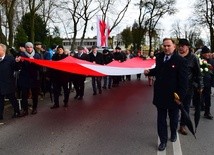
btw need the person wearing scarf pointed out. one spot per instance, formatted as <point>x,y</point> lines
<point>29,79</point>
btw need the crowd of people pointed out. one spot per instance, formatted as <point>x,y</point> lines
<point>33,81</point>
<point>178,70</point>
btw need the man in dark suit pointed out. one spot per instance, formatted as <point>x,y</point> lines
<point>96,58</point>
<point>7,81</point>
<point>170,76</point>
<point>79,80</point>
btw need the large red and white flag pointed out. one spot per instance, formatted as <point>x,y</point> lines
<point>115,68</point>
<point>103,32</point>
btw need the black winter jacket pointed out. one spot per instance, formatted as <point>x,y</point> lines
<point>194,73</point>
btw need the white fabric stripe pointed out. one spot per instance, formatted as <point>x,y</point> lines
<point>108,70</point>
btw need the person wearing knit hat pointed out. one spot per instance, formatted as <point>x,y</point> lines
<point>60,79</point>
<point>28,78</point>
<point>205,50</point>
<point>208,82</point>
<point>29,44</point>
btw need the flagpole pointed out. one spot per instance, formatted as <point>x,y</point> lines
<point>107,31</point>
<point>98,32</point>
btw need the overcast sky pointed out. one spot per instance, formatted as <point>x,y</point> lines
<point>185,9</point>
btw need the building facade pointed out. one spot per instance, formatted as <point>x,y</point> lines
<point>89,42</point>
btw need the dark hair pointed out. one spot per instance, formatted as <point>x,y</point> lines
<point>21,44</point>
<point>118,48</point>
<point>60,46</point>
<point>44,47</point>
<point>183,41</point>
<point>37,43</point>
<point>205,50</point>
<point>53,46</point>
<point>13,52</point>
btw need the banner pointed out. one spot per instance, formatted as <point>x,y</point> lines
<point>77,66</point>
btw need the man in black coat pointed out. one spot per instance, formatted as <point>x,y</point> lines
<point>7,81</point>
<point>79,80</point>
<point>96,58</point>
<point>194,76</point>
<point>29,78</point>
<point>208,81</point>
<point>170,76</point>
<point>59,79</point>
<point>107,58</point>
<point>118,56</point>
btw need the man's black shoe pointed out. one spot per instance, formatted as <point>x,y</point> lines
<point>76,97</point>
<point>173,138</point>
<point>24,113</point>
<point>16,115</point>
<point>80,98</point>
<point>208,116</point>
<point>55,106</point>
<point>65,105</point>
<point>34,111</point>
<point>100,91</point>
<point>162,146</point>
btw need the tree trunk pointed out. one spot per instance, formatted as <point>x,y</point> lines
<point>84,31</point>
<point>212,39</point>
<point>73,45</point>
<point>32,36</point>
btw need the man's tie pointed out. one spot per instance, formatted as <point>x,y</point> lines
<point>0,59</point>
<point>166,58</point>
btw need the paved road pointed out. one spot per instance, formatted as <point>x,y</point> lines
<point>121,121</point>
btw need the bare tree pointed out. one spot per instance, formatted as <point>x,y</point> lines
<point>76,13</point>
<point>8,6</point>
<point>154,11</point>
<point>176,29</point>
<point>49,9</point>
<point>108,8</point>
<point>3,38</point>
<point>88,13</point>
<point>188,30</point>
<point>204,11</point>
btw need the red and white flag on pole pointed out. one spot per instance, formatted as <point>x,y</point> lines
<point>103,32</point>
